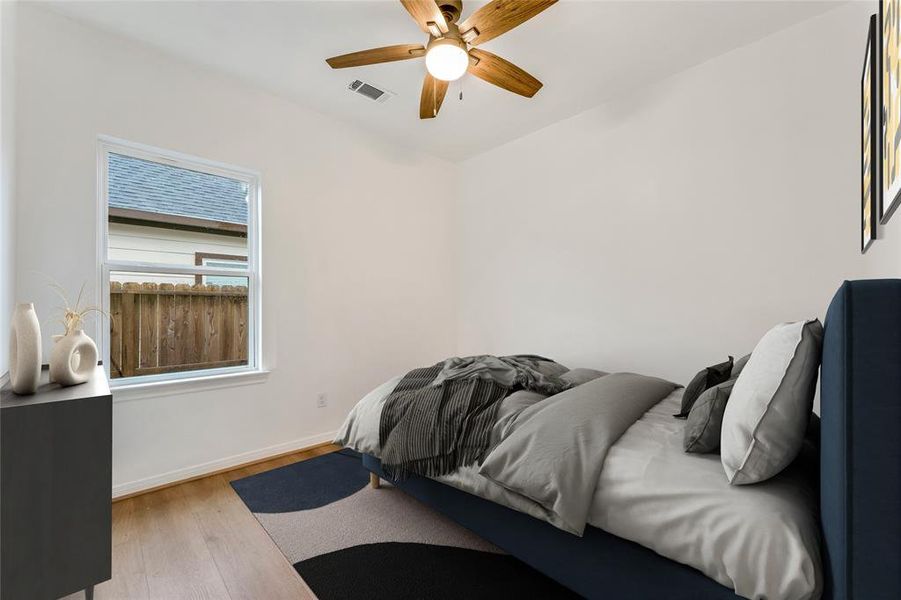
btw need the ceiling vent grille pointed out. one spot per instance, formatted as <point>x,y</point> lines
<point>369,91</point>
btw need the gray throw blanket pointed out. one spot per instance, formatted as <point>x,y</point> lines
<point>439,418</point>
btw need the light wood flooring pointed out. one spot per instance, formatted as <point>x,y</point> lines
<point>198,540</point>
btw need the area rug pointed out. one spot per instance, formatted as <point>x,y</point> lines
<point>348,540</point>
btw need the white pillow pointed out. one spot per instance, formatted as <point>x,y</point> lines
<point>769,409</point>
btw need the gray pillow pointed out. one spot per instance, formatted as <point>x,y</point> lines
<point>510,409</point>
<point>771,403</point>
<point>739,366</point>
<point>704,380</point>
<point>580,376</point>
<point>705,420</point>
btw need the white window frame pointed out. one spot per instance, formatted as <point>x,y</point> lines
<point>253,273</point>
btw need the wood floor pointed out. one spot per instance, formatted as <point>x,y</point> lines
<point>198,540</point>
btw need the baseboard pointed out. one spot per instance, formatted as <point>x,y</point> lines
<point>149,484</point>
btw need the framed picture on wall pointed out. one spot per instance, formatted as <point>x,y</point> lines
<point>890,83</point>
<point>869,139</point>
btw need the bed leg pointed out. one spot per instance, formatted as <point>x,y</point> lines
<point>374,481</point>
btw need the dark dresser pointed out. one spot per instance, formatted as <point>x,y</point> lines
<point>55,489</point>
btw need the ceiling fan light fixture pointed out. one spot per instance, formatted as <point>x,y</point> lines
<point>447,59</point>
<point>448,55</point>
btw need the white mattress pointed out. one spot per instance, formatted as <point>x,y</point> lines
<point>761,540</point>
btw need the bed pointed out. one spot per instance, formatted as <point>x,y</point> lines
<point>842,552</point>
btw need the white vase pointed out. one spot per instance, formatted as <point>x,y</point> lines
<point>73,358</point>
<point>25,350</point>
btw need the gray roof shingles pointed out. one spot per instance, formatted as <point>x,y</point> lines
<point>153,187</point>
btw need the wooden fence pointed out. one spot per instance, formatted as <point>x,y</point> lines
<point>163,328</point>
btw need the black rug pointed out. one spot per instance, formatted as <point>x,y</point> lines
<point>348,540</point>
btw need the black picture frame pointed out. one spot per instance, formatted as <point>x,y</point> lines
<point>870,138</point>
<point>889,44</point>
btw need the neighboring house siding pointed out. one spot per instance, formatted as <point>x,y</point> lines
<point>170,246</point>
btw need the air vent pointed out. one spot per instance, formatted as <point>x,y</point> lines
<point>369,90</point>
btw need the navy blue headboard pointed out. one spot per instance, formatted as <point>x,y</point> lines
<point>860,457</point>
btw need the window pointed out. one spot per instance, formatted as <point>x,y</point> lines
<point>225,261</point>
<point>180,265</point>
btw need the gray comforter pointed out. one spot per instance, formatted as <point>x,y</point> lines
<point>546,451</point>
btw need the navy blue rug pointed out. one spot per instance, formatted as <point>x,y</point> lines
<point>348,540</point>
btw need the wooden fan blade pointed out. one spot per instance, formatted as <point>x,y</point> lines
<point>502,73</point>
<point>500,16</point>
<point>433,91</point>
<point>376,55</point>
<point>425,12</point>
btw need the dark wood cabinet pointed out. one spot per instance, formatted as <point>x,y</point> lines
<point>55,489</point>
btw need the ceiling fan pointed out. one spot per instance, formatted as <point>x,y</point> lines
<point>448,55</point>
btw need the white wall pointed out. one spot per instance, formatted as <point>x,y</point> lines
<point>662,231</point>
<point>356,238</point>
<point>7,175</point>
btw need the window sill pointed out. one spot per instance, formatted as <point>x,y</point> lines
<point>201,383</point>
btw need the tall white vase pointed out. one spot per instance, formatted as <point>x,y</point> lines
<point>73,358</point>
<point>25,350</point>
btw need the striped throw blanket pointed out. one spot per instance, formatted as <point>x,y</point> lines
<point>439,418</point>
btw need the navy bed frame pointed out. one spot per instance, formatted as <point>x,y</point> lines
<point>860,480</point>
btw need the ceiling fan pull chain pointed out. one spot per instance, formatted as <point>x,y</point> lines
<point>461,88</point>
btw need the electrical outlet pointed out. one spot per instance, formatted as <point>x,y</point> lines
<point>322,400</point>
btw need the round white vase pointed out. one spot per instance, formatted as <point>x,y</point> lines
<point>73,358</point>
<point>25,350</point>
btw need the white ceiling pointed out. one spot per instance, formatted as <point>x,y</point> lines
<point>584,52</point>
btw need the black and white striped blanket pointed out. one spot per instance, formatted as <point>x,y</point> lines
<point>439,418</point>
